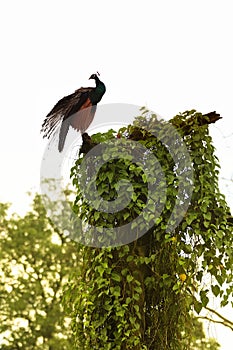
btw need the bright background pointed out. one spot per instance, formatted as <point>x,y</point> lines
<point>168,55</point>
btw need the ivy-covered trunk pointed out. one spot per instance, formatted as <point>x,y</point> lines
<point>139,295</point>
<point>125,301</point>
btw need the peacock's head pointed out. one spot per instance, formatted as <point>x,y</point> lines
<point>94,76</point>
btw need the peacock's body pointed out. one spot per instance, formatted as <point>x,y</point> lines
<point>76,110</point>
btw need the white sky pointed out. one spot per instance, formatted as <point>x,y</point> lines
<point>168,55</point>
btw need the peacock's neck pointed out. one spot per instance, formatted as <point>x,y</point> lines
<point>98,92</point>
<point>97,81</point>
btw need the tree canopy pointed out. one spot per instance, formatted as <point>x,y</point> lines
<point>35,263</point>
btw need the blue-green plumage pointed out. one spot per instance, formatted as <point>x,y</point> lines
<point>97,94</point>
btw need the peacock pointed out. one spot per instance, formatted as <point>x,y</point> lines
<point>76,110</point>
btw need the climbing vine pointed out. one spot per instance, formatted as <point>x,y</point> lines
<point>139,295</point>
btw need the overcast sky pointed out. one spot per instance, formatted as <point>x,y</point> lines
<point>168,55</point>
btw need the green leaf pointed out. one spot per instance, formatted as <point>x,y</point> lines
<point>120,313</point>
<point>130,258</point>
<point>144,178</point>
<point>207,216</point>
<point>215,290</point>
<point>96,215</point>
<point>138,289</point>
<point>220,234</point>
<point>115,276</point>
<point>197,306</point>
<point>204,298</point>
<point>132,319</point>
<point>128,300</point>
<point>126,215</point>
<point>129,278</point>
<point>177,287</point>
<point>191,216</point>
<point>116,291</point>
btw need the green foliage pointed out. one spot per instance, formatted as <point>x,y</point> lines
<point>206,222</point>
<point>139,296</point>
<point>35,263</point>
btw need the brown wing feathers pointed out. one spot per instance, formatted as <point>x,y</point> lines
<point>63,109</point>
